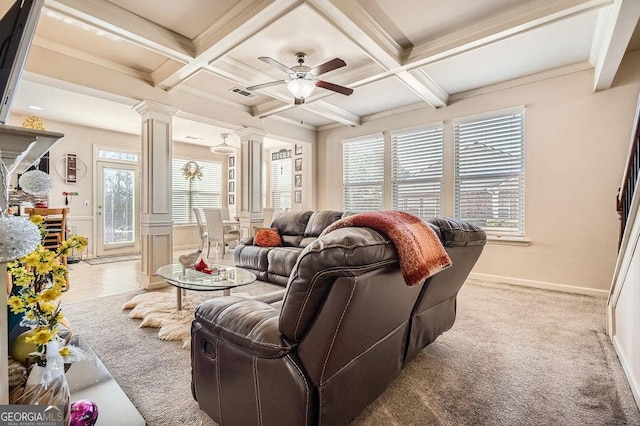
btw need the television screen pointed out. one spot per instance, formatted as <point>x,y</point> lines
<point>17,27</point>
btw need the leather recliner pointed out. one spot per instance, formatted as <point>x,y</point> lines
<point>347,325</point>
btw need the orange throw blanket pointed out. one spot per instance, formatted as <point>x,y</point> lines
<point>420,251</point>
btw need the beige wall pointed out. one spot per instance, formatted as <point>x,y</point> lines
<point>576,149</point>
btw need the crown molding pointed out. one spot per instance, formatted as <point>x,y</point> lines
<point>126,25</point>
<point>499,27</point>
<point>521,81</point>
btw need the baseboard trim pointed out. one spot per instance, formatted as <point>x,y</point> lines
<point>187,247</point>
<point>539,284</point>
<point>633,383</point>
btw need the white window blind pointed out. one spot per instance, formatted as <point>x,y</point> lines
<point>416,171</point>
<point>206,192</point>
<point>489,173</point>
<point>281,185</point>
<point>363,173</point>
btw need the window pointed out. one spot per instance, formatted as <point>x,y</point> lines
<point>281,185</point>
<point>363,173</point>
<point>416,170</point>
<point>206,192</point>
<point>489,173</point>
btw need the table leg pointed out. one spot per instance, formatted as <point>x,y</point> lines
<point>179,298</point>
<point>226,292</point>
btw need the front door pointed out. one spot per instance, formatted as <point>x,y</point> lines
<point>117,209</point>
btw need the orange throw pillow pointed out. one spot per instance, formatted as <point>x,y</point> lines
<point>267,237</point>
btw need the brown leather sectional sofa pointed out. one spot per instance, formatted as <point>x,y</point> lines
<point>297,230</point>
<point>347,325</point>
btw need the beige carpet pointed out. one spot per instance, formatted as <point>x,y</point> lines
<point>515,356</point>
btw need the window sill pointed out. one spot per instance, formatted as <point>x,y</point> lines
<point>185,225</point>
<point>508,241</point>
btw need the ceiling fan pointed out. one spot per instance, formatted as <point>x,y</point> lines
<point>302,79</point>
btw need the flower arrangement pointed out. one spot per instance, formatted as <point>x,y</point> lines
<point>42,278</point>
<point>191,170</point>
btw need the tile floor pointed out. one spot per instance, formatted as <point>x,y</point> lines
<point>93,281</point>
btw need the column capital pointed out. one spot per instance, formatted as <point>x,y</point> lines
<point>250,133</point>
<point>148,107</point>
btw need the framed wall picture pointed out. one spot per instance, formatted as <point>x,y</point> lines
<point>232,199</point>
<point>298,149</point>
<point>298,164</point>
<point>232,161</point>
<point>232,174</point>
<point>298,181</point>
<point>297,197</point>
<point>232,186</point>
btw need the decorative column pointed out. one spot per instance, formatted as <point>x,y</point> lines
<point>156,222</point>
<point>250,179</point>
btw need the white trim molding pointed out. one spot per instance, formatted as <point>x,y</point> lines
<point>539,284</point>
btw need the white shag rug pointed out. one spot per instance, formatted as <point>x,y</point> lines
<point>158,309</point>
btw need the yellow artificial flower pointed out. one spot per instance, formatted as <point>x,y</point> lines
<point>65,351</point>
<point>43,267</point>
<point>37,219</point>
<point>23,280</point>
<point>32,259</point>
<point>30,315</point>
<point>16,304</point>
<point>51,294</point>
<point>47,307</point>
<point>41,337</point>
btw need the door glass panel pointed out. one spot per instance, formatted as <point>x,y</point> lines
<point>118,205</point>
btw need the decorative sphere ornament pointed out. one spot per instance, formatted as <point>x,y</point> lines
<point>18,237</point>
<point>83,413</point>
<point>36,182</point>
<point>21,349</point>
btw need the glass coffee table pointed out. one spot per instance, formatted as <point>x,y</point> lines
<point>189,279</point>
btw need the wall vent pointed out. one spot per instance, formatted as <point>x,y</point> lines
<point>244,92</point>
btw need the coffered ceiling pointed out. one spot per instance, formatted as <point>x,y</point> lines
<point>400,54</point>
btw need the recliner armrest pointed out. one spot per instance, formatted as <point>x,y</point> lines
<point>249,324</point>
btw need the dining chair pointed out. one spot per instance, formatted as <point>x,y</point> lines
<point>215,229</point>
<point>55,224</point>
<point>202,228</point>
<point>229,229</point>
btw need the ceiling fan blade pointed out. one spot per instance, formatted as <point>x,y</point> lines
<point>275,63</point>
<point>263,85</point>
<point>328,66</point>
<point>299,101</point>
<point>335,87</point>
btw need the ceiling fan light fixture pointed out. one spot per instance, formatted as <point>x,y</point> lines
<point>301,87</point>
<point>224,147</point>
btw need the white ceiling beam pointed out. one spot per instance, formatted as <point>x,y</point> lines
<point>350,18</point>
<point>126,25</point>
<point>621,21</point>
<point>420,83</point>
<point>238,24</point>
<point>514,21</point>
<point>88,57</point>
